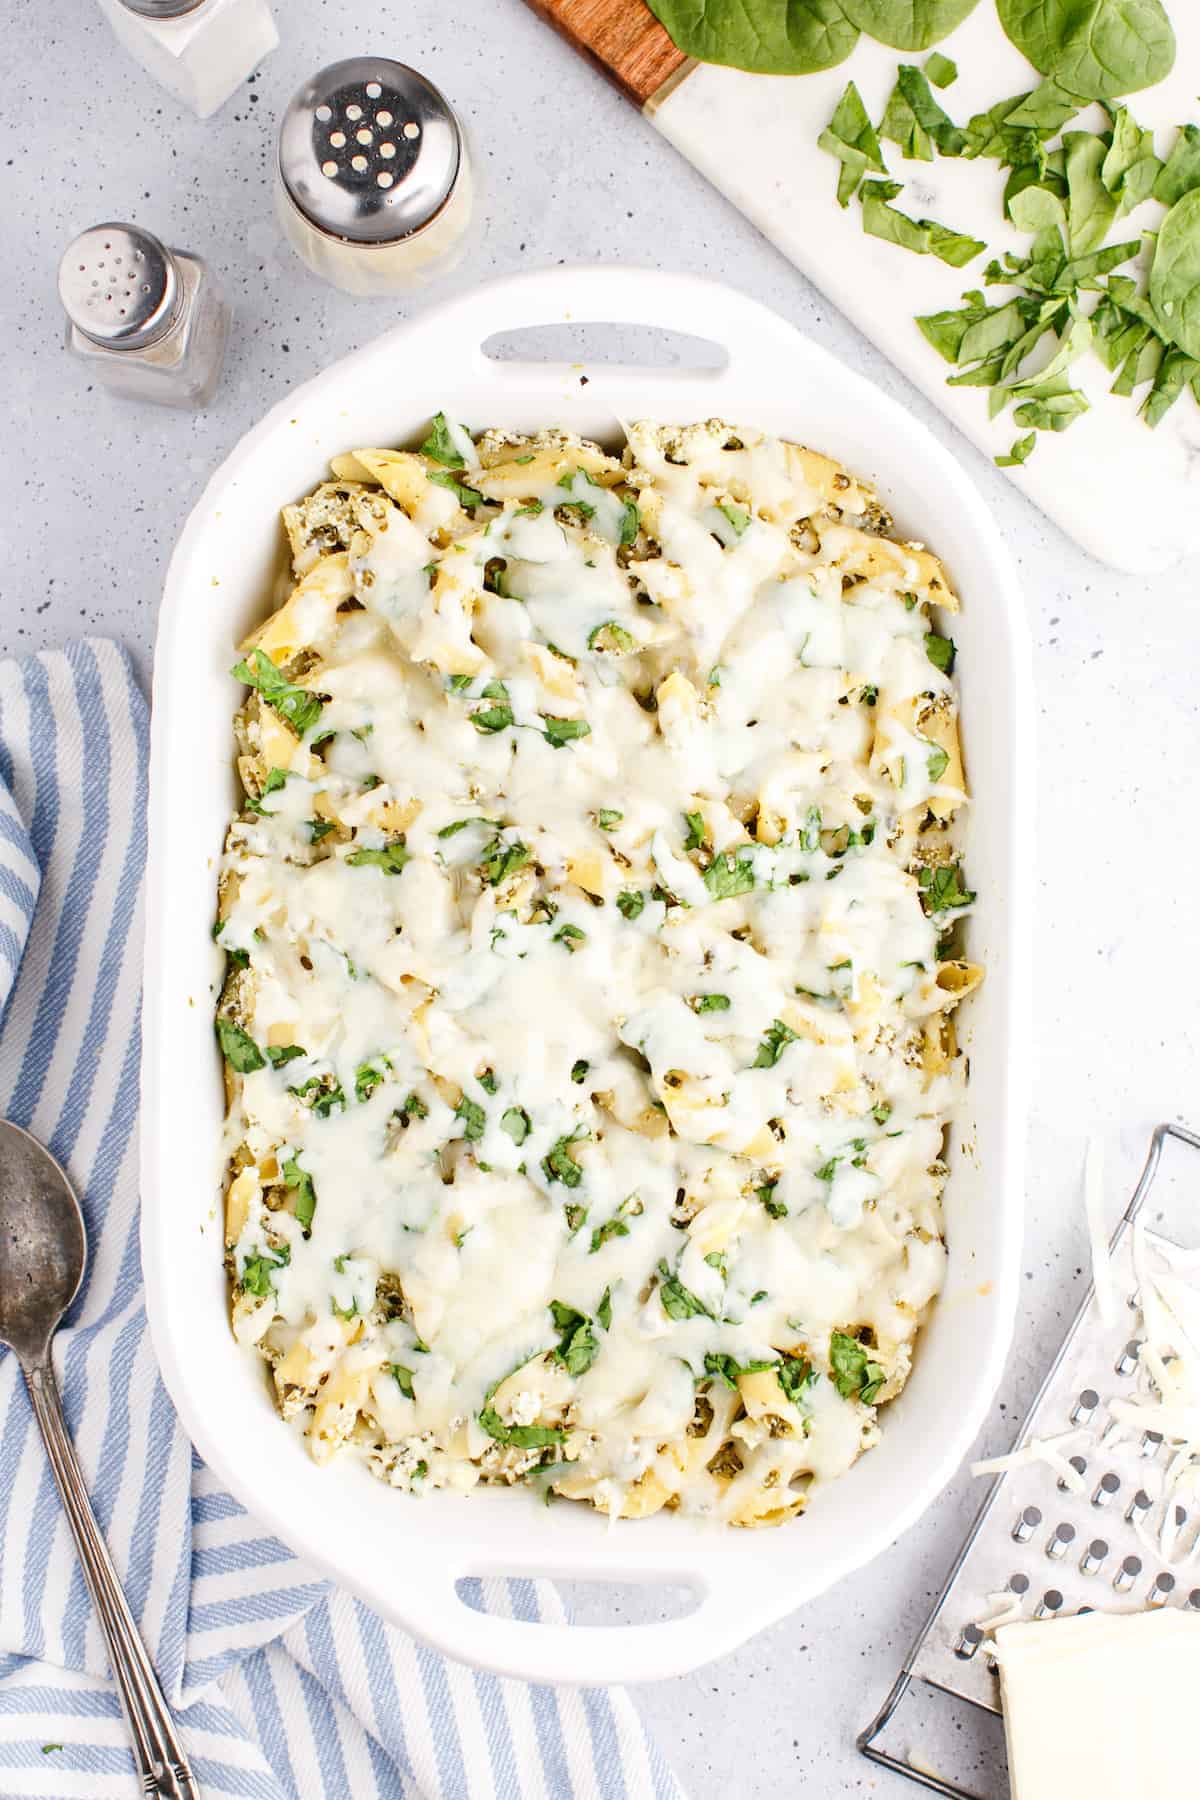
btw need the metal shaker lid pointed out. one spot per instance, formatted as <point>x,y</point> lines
<point>161,9</point>
<point>369,151</point>
<point>119,286</point>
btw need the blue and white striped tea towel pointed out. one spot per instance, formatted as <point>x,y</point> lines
<point>283,1686</point>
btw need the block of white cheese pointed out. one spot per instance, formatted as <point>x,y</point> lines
<point>1106,1705</point>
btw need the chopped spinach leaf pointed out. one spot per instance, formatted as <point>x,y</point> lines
<point>295,705</point>
<point>855,1375</point>
<point>391,859</point>
<point>239,1048</point>
<point>439,446</point>
<point>775,1039</point>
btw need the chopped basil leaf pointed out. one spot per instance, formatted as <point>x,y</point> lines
<point>630,903</point>
<point>702,1003</point>
<point>279,1054</point>
<point>695,831</point>
<point>607,818</point>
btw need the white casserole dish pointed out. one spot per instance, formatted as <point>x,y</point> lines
<point>405,1556</point>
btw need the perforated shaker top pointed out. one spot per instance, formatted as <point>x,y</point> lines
<point>369,151</point>
<point>119,286</point>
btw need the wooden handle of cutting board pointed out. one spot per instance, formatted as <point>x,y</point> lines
<point>622,36</point>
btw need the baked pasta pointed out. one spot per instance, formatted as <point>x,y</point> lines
<point>591,932</point>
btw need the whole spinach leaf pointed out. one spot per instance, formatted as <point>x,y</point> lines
<point>1094,48</point>
<point>908,24</point>
<point>768,37</point>
<point>1175,274</point>
<point>1181,171</point>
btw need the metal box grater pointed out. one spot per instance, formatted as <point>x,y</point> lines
<point>1047,1549</point>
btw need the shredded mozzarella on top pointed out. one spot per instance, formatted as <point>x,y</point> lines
<point>587,1009</point>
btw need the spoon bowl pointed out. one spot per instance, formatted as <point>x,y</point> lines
<point>43,1244</point>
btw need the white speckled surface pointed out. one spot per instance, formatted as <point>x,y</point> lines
<point>95,491</point>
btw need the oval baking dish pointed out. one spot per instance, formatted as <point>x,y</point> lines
<point>405,1556</point>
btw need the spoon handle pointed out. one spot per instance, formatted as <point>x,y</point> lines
<point>162,1762</point>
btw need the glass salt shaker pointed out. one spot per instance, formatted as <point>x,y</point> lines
<point>374,181</point>
<point>199,50</point>
<point>148,321</point>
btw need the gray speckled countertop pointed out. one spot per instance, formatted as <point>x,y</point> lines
<point>95,491</point>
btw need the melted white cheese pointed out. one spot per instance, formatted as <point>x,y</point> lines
<point>597,1100</point>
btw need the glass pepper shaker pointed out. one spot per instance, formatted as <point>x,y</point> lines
<point>374,181</point>
<point>148,321</point>
<point>199,50</point>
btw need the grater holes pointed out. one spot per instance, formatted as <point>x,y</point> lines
<point>1079,1464</point>
<point>1161,1591</point>
<point>1085,1406</point>
<point>338,139</point>
<point>353,111</point>
<point>373,90</point>
<point>1018,1584</point>
<point>412,130</point>
<point>384,118</point>
<point>1060,1541</point>
<point>1050,1602</point>
<point>387,150</point>
<point>1194,1599</point>
<point>324,113</point>
<point>384,179</point>
<point>1127,1574</point>
<point>1093,1556</point>
<point>364,135</point>
<point>1152,1442</point>
<point>1127,1362</point>
<point>329,168</point>
<point>1138,1507</point>
<point>968,1643</point>
<point>1107,1486</point>
<point>1027,1524</point>
<point>358,164</point>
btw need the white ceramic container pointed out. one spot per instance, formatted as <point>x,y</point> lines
<point>404,1556</point>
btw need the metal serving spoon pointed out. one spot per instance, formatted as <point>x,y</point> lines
<point>43,1249</point>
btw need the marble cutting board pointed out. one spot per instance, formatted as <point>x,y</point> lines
<point>1129,495</point>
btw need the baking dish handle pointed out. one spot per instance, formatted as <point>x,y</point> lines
<point>586,1655</point>
<point>610,295</point>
